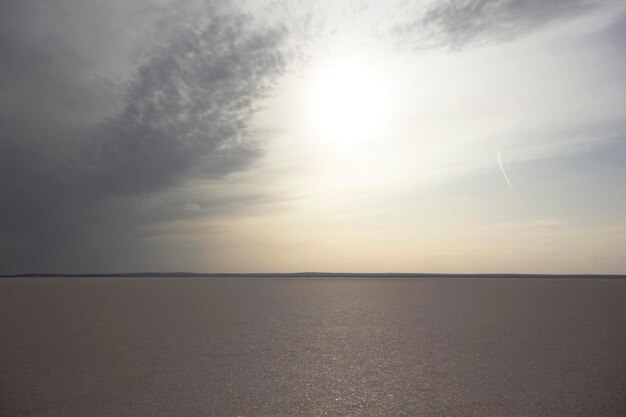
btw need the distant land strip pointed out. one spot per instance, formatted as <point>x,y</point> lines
<point>304,275</point>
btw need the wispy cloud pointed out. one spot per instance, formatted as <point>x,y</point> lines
<point>188,108</point>
<point>457,23</point>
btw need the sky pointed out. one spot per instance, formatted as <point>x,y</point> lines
<point>461,136</point>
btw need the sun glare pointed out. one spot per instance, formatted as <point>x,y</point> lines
<point>347,103</point>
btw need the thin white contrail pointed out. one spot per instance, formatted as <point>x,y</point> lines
<point>502,169</point>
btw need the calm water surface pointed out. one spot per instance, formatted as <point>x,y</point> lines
<point>287,347</point>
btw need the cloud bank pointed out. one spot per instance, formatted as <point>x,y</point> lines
<point>105,117</point>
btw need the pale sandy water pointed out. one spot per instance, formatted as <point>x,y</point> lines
<point>286,347</point>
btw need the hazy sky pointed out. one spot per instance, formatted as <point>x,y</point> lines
<point>426,136</point>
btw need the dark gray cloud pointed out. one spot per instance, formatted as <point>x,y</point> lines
<point>184,114</point>
<point>107,105</point>
<point>188,108</point>
<point>456,23</point>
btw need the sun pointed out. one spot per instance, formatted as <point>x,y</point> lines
<point>347,103</point>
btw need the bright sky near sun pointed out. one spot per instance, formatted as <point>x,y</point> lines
<point>361,136</point>
<point>393,158</point>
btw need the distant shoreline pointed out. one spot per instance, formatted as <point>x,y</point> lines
<point>305,275</point>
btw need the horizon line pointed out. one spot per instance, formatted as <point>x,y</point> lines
<point>304,274</point>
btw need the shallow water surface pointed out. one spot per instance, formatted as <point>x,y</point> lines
<point>285,347</point>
